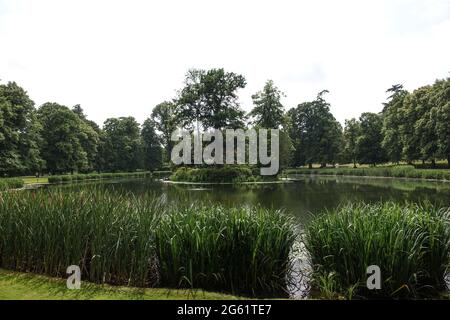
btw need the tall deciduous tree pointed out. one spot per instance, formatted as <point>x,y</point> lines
<point>61,132</point>
<point>89,136</point>
<point>369,149</point>
<point>316,134</point>
<point>164,120</point>
<point>441,98</point>
<point>351,133</point>
<point>392,121</point>
<point>19,132</point>
<point>268,111</point>
<point>122,144</point>
<point>210,98</point>
<point>152,151</point>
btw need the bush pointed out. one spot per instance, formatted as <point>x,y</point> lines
<point>66,178</point>
<point>411,245</point>
<point>54,179</point>
<point>230,174</point>
<point>95,176</point>
<point>11,183</point>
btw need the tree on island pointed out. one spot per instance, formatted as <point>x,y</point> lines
<point>209,99</point>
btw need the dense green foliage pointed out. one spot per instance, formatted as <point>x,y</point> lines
<point>316,134</point>
<point>268,111</point>
<point>11,183</point>
<point>121,238</point>
<point>233,174</point>
<point>410,244</point>
<point>394,171</point>
<point>19,131</point>
<point>413,126</point>
<point>98,176</point>
<point>241,250</point>
<point>209,99</point>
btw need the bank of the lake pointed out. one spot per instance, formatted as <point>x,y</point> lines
<point>28,286</point>
<point>402,171</point>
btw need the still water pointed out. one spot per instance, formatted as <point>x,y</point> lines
<point>303,198</point>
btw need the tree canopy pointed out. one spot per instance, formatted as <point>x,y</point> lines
<point>412,126</point>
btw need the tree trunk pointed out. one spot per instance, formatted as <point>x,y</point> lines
<point>354,163</point>
<point>448,161</point>
<point>310,165</point>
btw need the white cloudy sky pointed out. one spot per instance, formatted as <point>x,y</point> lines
<point>120,58</point>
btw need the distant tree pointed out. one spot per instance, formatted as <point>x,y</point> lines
<point>441,99</point>
<point>392,121</point>
<point>19,132</point>
<point>418,130</point>
<point>268,111</point>
<point>425,127</point>
<point>316,134</point>
<point>122,144</point>
<point>351,133</point>
<point>164,120</point>
<point>89,138</point>
<point>190,110</point>
<point>287,149</point>
<point>61,133</point>
<point>152,150</point>
<point>368,146</point>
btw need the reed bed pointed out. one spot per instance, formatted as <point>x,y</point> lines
<point>410,243</point>
<point>245,251</point>
<point>120,238</point>
<point>108,235</point>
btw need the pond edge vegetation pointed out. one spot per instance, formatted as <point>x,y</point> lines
<point>402,171</point>
<point>143,241</point>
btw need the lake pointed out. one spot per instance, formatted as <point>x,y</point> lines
<point>303,198</point>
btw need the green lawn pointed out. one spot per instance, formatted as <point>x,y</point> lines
<point>25,286</point>
<point>32,180</point>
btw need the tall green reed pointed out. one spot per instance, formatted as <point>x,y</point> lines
<point>410,243</point>
<point>121,238</point>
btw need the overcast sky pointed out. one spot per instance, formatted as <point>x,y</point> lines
<point>121,58</point>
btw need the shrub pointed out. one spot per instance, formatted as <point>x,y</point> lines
<point>218,174</point>
<point>66,178</point>
<point>410,243</point>
<point>11,183</point>
<point>54,179</point>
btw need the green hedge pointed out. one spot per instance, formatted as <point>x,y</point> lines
<point>394,171</point>
<point>11,183</point>
<point>96,176</point>
<point>233,174</point>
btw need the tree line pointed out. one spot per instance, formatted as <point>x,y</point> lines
<point>57,139</point>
